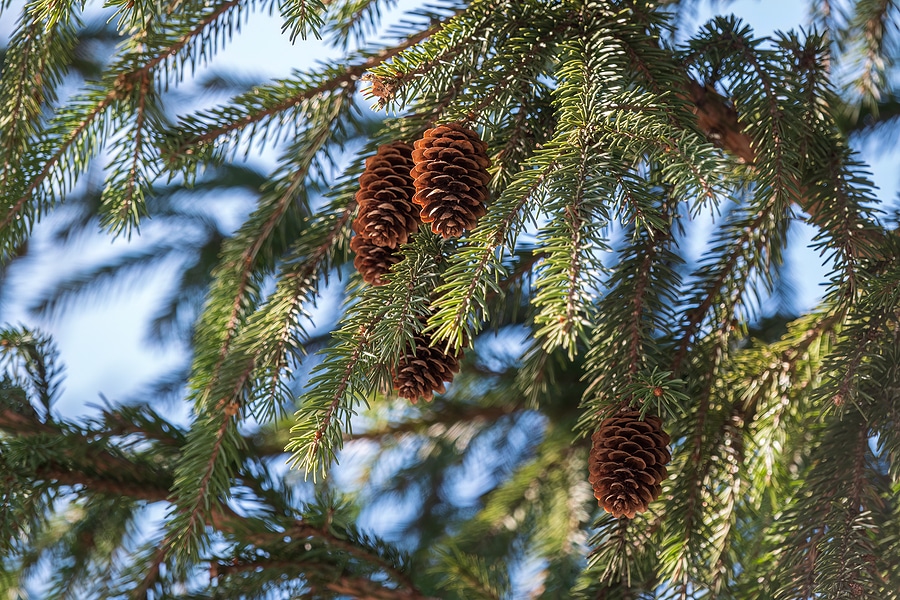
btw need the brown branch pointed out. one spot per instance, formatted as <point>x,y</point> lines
<point>366,589</point>
<point>220,569</point>
<point>719,121</point>
<point>106,483</point>
<point>21,424</point>
<point>96,469</point>
<point>118,425</point>
<point>447,415</point>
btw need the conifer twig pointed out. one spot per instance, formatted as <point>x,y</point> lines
<point>107,483</point>
<point>100,471</point>
<point>357,587</point>
<point>721,123</point>
<point>448,415</point>
<point>350,74</point>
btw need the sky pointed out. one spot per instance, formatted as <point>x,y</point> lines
<point>103,342</point>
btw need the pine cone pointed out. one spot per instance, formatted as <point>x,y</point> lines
<point>627,462</point>
<point>451,178</point>
<point>387,216</point>
<point>372,261</point>
<point>421,373</point>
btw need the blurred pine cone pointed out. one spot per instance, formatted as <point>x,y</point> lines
<point>627,462</point>
<point>387,216</point>
<point>451,178</point>
<point>421,373</point>
<point>372,261</point>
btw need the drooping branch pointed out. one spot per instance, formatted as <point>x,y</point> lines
<point>720,121</point>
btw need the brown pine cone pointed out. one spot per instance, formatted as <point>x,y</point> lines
<point>421,373</point>
<point>387,216</point>
<point>451,178</point>
<point>627,462</point>
<point>372,261</point>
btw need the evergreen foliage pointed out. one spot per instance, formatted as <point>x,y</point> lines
<point>614,134</point>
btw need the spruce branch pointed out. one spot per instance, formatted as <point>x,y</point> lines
<point>30,359</point>
<point>319,423</point>
<point>722,122</point>
<point>606,137</point>
<point>457,56</point>
<point>353,20</point>
<point>473,269</point>
<point>756,231</point>
<point>122,199</point>
<point>78,142</point>
<point>80,462</point>
<point>470,574</point>
<point>388,314</point>
<point>356,550</point>
<point>520,65</point>
<point>873,31</point>
<point>394,80</point>
<point>276,323</point>
<point>176,38</point>
<point>405,300</point>
<point>302,17</point>
<point>217,390</point>
<point>253,110</point>
<point>636,307</point>
<point>32,69</point>
<point>565,282</point>
<point>78,133</point>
